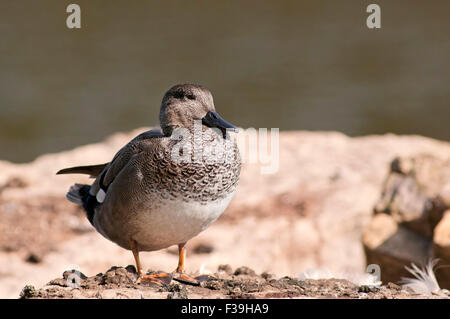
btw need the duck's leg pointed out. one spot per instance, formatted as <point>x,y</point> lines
<point>181,257</point>
<point>159,279</point>
<point>134,249</point>
<point>179,273</point>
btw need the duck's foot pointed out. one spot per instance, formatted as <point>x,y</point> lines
<point>158,279</point>
<point>186,279</point>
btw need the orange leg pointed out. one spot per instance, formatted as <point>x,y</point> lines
<point>165,278</point>
<point>160,279</point>
<point>134,249</point>
<point>179,274</point>
<point>181,257</point>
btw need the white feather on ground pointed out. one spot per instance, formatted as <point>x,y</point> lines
<point>425,281</point>
<point>205,271</point>
<point>360,279</point>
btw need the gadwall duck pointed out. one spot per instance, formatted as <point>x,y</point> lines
<point>165,186</point>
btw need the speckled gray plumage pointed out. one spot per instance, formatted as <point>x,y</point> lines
<point>147,159</point>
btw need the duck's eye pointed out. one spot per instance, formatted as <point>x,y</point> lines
<point>178,95</point>
<point>191,96</point>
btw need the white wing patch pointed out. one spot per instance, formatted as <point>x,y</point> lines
<point>100,196</point>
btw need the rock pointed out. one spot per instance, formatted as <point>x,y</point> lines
<point>28,292</point>
<point>391,285</point>
<point>366,288</point>
<point>267,276</point>
<point>202,248</point>
<point>408,224</point>
<point>225,268</point>
<point>412,192</point>
<point>13,182</point>
<point>244,271</point>
<point>212,284</point>
<point>119,276</point>
<point>310,213</point>
<point>392,246</point>
<point>441,250</point>
<point>33,258</point>
<point>403,200</point>
<point>243,287</point>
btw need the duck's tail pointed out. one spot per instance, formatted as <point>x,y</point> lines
<point>79,194</point>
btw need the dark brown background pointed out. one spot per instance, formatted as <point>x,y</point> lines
<point>290,64</point>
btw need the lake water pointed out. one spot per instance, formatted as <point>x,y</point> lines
<point>309,65</point>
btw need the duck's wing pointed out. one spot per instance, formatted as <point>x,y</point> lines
<point>136,146</point>
<point>96,170</point>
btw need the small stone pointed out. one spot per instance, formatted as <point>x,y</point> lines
<point>393,286</point>
<point>177,291</point>
<point>58,282</point>
<point>225,268</point>
<point>33,258</point>
<point>366,288</point>
<point>174,288</point>
<point>266,276</point>
<point>244,271</point>
<point>212,284</point>
<point>131,269</point>
<point>235,291</point>
<point>28,292</point>
<point>203,249</point>
<point>68,273</point>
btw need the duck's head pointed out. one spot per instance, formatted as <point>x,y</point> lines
<point>185,103</point>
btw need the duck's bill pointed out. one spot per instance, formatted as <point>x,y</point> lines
<point>213,119</point>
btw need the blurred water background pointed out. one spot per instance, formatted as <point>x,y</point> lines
<point>311,65</point>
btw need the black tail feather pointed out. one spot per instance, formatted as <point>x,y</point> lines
<point>79,194</point>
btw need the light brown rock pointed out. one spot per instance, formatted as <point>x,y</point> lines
<point>441,250</point>
<point>224,286</point>
<point>412,192</point>
<point>393,247</point>
<point>408,218</point>
<point>309,214</point>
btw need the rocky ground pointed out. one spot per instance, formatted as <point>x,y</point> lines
<point>241,283</point>
<point>309,214</point>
